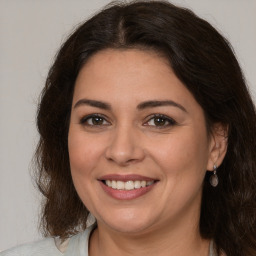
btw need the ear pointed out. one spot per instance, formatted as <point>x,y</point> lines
<point>218,145</point>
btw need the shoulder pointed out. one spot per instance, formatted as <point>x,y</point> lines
<point>76,245</point>
<point>45,247</point>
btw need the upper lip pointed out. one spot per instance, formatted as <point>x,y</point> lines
<point>127,177</point>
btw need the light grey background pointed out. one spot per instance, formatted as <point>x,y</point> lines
<point>30,33</point>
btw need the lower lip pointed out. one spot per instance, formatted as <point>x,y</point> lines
<point>126,194</point>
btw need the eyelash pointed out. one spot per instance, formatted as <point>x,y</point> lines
<point>84,120</point>
<point>163,118</point>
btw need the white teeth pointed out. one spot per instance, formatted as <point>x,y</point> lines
<point>128,185</point>
<point>137,184</point>
<point>113,185</point>
<point>120,185</point>
<point>150,183</point>
<point>143,183</point>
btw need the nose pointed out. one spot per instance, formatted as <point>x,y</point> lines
<point>125,146</point>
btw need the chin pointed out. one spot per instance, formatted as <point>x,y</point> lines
<point>127,222</point>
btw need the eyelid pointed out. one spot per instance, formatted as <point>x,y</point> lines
<point>84,119</point>
<point>171,121</point>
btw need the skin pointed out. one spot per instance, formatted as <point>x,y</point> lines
<point>128,140</point>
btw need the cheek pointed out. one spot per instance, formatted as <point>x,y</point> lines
<point>183,161</point>
<point>83,153</point>
<point>184,153</point>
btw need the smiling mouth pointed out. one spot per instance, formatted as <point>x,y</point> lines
<point>127,185</point>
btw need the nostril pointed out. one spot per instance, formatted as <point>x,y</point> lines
<point>125,155</point>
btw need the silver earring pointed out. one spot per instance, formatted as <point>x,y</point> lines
<point>214,181</point>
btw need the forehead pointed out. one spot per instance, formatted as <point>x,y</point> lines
<point>130,75</point>
<point>129,61</point>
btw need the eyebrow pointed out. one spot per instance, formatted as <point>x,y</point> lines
<point>157,103</point>
<point>93,103</point>
<point>141,106</point>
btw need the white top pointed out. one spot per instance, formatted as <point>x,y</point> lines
<point>77,246</point>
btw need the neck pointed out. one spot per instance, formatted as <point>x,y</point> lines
<point>161,242</point>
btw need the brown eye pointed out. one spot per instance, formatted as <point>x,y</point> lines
<point>94,120</point>
<point>97,120</point>
<point>160,121</point>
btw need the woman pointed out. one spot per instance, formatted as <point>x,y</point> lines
<point>147,124</point>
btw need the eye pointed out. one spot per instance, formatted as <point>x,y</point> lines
<point>160,121</point>
<point>94,120</point>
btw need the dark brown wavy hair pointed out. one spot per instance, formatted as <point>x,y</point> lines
<point>205,62</point>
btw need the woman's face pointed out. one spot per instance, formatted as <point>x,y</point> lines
<point>137,142</point>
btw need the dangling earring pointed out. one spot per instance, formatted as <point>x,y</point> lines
<point>214,181</point>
